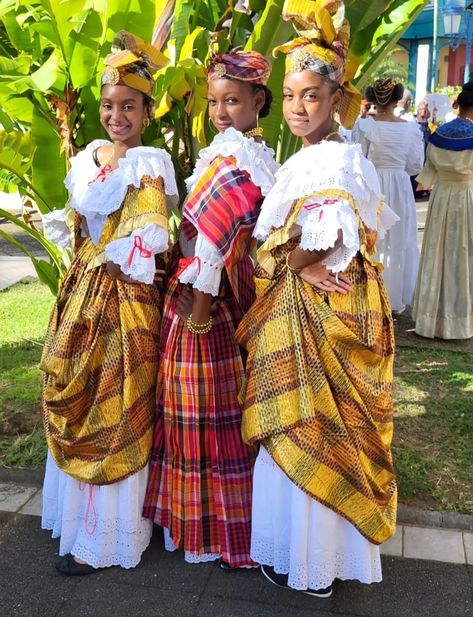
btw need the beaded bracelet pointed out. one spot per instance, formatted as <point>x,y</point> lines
<point>199,328</point>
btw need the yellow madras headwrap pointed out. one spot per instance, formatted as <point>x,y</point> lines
<point>132,63</point>
<point>322,47</point>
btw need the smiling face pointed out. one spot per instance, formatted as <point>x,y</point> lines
<point>233,103</point>
<point>122,111</point>
<point>308,102</point>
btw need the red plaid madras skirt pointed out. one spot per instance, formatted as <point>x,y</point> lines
<point>200,481</point>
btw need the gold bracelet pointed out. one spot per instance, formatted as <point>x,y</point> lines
<point>199,328</point>
<point>289,267</point>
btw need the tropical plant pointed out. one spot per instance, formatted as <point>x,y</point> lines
<point>50,56</point>
<point>390,67</point>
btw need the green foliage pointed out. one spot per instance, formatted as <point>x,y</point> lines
<point>391,68</point>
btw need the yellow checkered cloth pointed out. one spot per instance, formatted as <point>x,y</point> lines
<point>318,392</point>
<point>100,358</point>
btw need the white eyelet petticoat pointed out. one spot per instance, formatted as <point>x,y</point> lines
<point>102,525</point>
<point>301,537</point>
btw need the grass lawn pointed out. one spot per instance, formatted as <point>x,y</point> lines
<point>24,312</point>
<point>433,441</point>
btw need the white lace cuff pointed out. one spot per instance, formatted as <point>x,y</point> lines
<point>321,219</point>
<point>204,272</point>
<point>135,253</point>
<point>56,229</point>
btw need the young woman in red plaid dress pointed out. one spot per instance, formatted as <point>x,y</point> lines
<point>200,481</point>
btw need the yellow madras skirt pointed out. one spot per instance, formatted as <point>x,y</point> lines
<point>318,392</point>
<point>100,361</point>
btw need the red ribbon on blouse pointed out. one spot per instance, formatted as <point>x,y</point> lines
<point>138,246</point>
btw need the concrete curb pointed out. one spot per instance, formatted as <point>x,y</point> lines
<point>406,515</point>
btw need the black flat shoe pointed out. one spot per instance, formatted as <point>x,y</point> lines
<point>280,580</point>
<point>70,567</point>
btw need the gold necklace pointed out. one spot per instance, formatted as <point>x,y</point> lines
<point>331,134</point>
<point>256,132</point>
<point>466,118</point>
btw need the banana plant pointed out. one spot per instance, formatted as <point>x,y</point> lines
<point>50,56</point>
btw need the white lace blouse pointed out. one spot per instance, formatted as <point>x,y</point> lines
<point>310,173</point>
<point>205,270</point>
<point>97,200</point>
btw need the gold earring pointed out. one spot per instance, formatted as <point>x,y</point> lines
<point>146,122</point>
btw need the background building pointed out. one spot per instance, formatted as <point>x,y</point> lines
<point>425,48</point>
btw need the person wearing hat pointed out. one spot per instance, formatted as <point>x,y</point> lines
<point>101,352</point>
<point>318,389</point>
<point>200,483</point>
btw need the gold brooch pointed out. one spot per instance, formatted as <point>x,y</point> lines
<point>110,76</point>
<point>299,60</point>
<point>220,69</point>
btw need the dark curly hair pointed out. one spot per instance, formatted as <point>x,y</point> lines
<point>465,98</point>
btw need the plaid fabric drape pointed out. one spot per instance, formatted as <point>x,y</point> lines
<point>200,478</point>
<point>100,357</point>
<point>318,393</point>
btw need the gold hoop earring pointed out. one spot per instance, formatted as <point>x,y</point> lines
<point>146,122</point>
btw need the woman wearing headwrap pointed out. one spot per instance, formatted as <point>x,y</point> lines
<point>318,392</point>
<point>395,147</point>
<point>199,488</point>
<point>443,303</point>
<point>101,356</point>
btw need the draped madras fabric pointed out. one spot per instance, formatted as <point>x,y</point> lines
<point>100,356</point>
<point>318,394</point>
<point>224,207</point>
<point>200,480</point>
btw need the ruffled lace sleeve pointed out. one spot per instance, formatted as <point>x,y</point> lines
<point>204,271</point>
<point>56,228</point>
<point>320,220</point>
<point>135,253</point>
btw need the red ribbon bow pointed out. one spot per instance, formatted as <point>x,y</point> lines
<point>185,262</point>
<point>138,245</point>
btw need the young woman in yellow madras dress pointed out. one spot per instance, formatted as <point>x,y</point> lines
<point>199,487</point>
<point>318,393</point>
<point>101,351</point>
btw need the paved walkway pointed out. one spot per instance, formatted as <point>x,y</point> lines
<point>163,585</point>
<point>15,266</point>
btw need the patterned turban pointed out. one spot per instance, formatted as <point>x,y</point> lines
<point>322,47</point>
<point>132,63</point>
<point>249,66</point>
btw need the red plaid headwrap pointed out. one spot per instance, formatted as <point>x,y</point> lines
<point>249,66</point>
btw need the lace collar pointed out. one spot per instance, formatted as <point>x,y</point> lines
<point>251,156</point>
<point>314,169</point>
<point>96,200</point>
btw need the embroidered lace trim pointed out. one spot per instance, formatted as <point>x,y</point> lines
<point>251,156</point>
<point>134,254</point>
<point>99,199</point>
<point>317,168</point>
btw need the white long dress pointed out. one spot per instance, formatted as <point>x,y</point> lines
<point>103,524</point>
<point>397,151</point>
<point>290,530</point>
